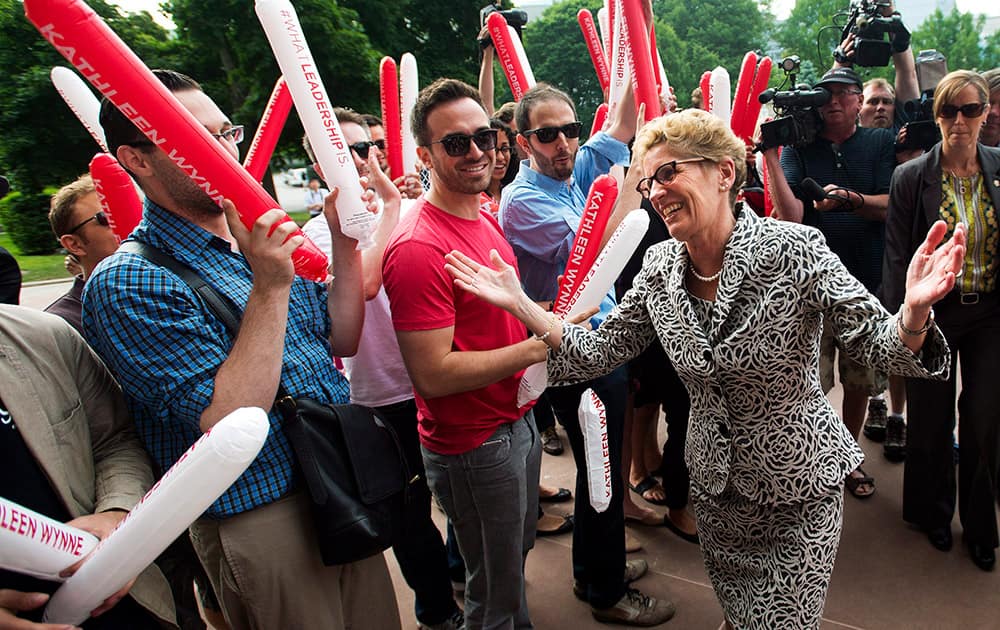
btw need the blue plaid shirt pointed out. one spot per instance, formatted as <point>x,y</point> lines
<point>165,347</point>
<point>540,216</point>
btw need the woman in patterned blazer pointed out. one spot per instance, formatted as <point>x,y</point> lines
<point>738,303</point>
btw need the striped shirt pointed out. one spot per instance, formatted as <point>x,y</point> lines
<point>165,347</point>
<point>965,200</point>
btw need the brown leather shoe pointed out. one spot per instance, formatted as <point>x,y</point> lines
<point>636,609</point>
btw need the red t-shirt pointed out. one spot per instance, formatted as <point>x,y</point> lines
<point>422,296</point>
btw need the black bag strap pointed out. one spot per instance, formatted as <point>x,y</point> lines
<point>221,307</point>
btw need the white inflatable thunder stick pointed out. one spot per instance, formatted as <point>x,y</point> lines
<point>721,97</point>
<point>38,546</point>
<point>621,68</point>
<point>281,25</point>
<point>594,425</point>
<point>81,101</point>
<point>185,491</point>
<point>408,89</point>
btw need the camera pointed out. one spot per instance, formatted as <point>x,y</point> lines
<point>870,28</point>
<point>516,18</point>
<point>798,119</point>
<point>921,130</point>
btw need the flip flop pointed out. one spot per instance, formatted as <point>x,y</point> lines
<point>853,483</point>
<point>645,486</point>
<point>691,538</point>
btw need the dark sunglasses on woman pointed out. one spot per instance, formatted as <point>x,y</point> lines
<point>969,110</point>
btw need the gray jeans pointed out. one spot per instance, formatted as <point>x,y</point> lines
<point>491,496</point>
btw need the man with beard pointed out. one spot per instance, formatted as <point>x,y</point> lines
<point>540,212</point>
<point>480,449</point>
<point>182,371</point>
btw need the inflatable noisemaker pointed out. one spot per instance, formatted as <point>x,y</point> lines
<point>408,90</point>
<point>389,96</point>
<point>81,101</point>
<point>116,193</point>
<point>644,82</point>
<point>594,426</point>
<point>600,117</point>
<point>281,25</point>
<point>740,97</point>
<point>594,47</point>
<point>760,81</point>
<point>507,55</point>
<point>36,545</point>
<point>269,130</point>
<point>705,83</point>
<point>185,491</point>
<point>621,68</point>
<point>605,26</point>
<point>721,103</point>
<point>83,38</point>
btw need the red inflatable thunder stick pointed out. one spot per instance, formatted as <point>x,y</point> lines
<point>389,93</point>
<point>116,192</point>
<point>643,80</point>
<point>587,244</point>
<point>594,47</point>
<point>83,38</point>
<point>754,76</point>
<point>507,55</point>
<point>706,90</point>
<point>269,130</point>
<point>600,117</point>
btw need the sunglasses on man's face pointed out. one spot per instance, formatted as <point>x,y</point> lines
<point>969,110</point>
<point>458,144</point>
<point>100,217</point>
<point>380,144</point>
<point>546,135</point>
<point>362,148</point>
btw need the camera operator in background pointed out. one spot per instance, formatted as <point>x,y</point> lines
<point>990,135</point>
<point>839,182</point>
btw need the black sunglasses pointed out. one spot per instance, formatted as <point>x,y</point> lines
<point>362,148</point>
<point>457,144</point>
<point>546,135</point>
<point>380,144</point>
<point>969,110</point>
<point>663,175</point>
<point>100,217</point>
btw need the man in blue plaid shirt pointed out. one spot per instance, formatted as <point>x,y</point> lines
<point>182,372</point>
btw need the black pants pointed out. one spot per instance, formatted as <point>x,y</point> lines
<point>655,381</point>
<point>598,538</point>
<point>973,333</point>
<point>421,552</point>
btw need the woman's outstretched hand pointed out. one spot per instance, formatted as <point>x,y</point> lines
<point>498,285</point>
<point>933,269</point>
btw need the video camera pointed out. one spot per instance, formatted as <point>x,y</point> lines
<point>871,48</point>
<point>921,130</point>
<point>516,18</point>
<point>798,119</point>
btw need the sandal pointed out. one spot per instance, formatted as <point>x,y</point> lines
<point>855,484</point>
<point>644,486</point>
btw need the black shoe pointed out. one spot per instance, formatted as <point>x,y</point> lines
<point>894,447</point>
<point>563,527</point>
<point>940,537</point>
<point>551,443</point>
<point>874,428</point>
<point>982,556</point>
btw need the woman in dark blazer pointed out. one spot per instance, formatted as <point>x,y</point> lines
<point>738,303</point>
<point>957,181</point>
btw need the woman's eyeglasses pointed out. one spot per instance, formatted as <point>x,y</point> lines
<point>969,110</point>
<point>458,144</point>
<point>546,135</point>
<point>664,175</point>
<point>100,217</point>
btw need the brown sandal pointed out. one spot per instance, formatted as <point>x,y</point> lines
<point>854,484</point>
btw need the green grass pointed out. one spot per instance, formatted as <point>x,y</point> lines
<point>35,268</point>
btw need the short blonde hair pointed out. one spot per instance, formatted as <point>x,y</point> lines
<point>63,203</point>
<point>881,84</point>
<point>955,82</point>
<point>695,133</point>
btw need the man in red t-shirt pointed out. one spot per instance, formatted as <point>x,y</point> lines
<point>465,358</point>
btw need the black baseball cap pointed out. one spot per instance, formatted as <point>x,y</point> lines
<point>841,75</point>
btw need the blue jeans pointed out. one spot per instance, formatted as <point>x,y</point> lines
<point>490,494</point>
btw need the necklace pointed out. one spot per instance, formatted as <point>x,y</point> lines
<point>698,276</point>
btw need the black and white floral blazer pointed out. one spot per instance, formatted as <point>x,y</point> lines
<point>759,419</point>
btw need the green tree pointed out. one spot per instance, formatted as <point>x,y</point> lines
<point>956,36</point>
<point>558,55</point>
<point>812,31</point>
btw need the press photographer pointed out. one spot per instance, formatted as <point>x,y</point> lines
<point>850,168</point>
